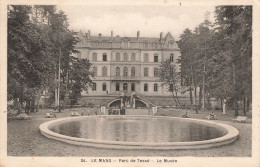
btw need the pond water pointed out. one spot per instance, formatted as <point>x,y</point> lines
<point>136,129</point>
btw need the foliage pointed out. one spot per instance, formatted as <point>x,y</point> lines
<point>170,76</point>
<point>35,50</point>
<point>218,56</point>
<point>79,71</point>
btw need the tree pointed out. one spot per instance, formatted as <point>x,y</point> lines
<point>27,61</point>
<point>36,50</point>
<point>186,45</point>
<point>171,77</point>
<point>234,24</point>
<point>80,78</point>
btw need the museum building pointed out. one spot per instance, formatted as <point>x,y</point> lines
<point>127,64</point>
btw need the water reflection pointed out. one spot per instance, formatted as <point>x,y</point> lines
<point>139,130</point>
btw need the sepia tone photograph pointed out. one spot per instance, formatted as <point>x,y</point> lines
<point>103,82</point>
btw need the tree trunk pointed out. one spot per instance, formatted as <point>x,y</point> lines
<point>221,104</point>
<point>209,108</point>
<point>191,100</point>
<point>20,105</point>
<point>247,104</point>
<point>195,93</point>
<point>200,97</point>
<point>38,99</point>
<point>236,106</point>
<point>32,105</point>
<point>244,107</point>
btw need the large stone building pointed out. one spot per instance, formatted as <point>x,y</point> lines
<point>127,64</point>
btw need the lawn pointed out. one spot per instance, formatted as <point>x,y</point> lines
<point>25,139</point>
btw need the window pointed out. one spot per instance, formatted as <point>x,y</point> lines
<point>125,57</point>
<point>95,71</point>
<point>133,57</point>
<point>132,72</point>
<point>171,87</point>
<point>145,87</point>
<point>125,86</point>
<point>117,87</point>
<point>156,58</point>
<point>117,56</point>
<point>146,72</point>
<point>94,87</point>
<point>117,71</point>
<point>146,57</point>
<point>156,72</point>
<point>171,57</point>
<point>104,71</point>
<point>132,87</point>
<point>155,87</point>
<point>104,57</point>
<point>104,87</point>
<point>94,56</point>
<point>125,71</point>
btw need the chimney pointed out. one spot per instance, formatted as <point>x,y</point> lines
<point>161,36</point>
<point>111,34</point>
<point>88,34</point>
<point>138,34</point>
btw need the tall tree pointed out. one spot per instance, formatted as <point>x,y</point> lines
<point>171,78</point>
<point>80,78</point>
<point>235,25</point>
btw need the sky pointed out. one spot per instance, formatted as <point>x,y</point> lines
<point>127,20</point>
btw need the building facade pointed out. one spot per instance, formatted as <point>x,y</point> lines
<point>127,64</point>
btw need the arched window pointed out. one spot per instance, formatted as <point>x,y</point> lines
<point>146,72</point>
<point>133,57</point>
<point>146,57</point>
<point>95,71</point>
<point>125,71</point>
<point>117,56</point>
<point>155,87</point>
<point>117,71</point>
<point>125,86</point>
<point>132,72</point>
<point>171,57</point>
<point>133,87</point>
<point>156,72</point>
<point>104,71</point>
<point>125,57</point>
<point>94,87</point>
<point>104,87</point>
<point>117,87</point>
<point>145,87</point>
<point>94,57</point>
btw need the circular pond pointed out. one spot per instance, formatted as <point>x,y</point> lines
<point>139,132</point>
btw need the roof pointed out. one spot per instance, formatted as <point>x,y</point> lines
<point>168,37</point>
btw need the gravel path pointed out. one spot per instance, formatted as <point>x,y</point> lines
<point>25,139</point>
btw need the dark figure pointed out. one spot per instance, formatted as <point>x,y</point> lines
<point>196,108</point>
<point>123,111</point>
<point>110,111</point>
<point>185,115</point>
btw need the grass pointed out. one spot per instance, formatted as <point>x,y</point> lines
<point>25,139</point>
